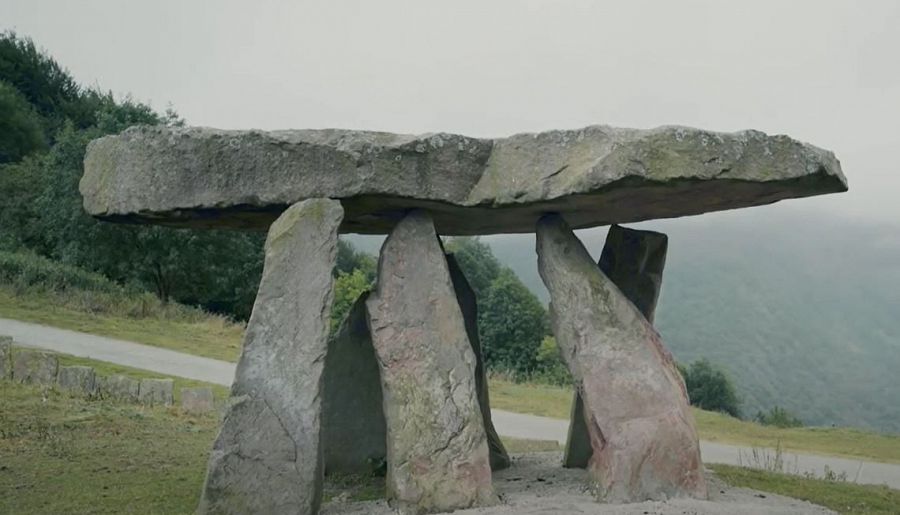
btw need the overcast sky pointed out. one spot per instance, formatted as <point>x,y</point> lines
<point>821,71</point>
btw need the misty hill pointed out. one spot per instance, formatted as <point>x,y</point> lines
<point>801,308</point>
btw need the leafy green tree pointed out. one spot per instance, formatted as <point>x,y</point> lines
<point>347,288</point>
<point>709,388</point>
<point>350,259</point>
<point>550,365</point>
<point>477,262</point>
<point>778,417</point>
<point>21,132</point>
<point>512,323</point>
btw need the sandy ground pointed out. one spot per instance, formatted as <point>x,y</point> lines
<point>536,484</point>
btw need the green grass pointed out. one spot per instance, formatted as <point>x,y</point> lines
<point>555,402</point>
<point>215,337</point>
<point>209,336</point>
<point>60,454</point>
<point>841,497</point>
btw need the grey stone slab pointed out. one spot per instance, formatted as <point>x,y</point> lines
<point>267,457</point>
<point>32,366</point>
<point>79,380</point>
<point>6,357</point>
<point>353,425</point>
<point>633,260</point>
<point>468,304</point>
<point>119,388</point>
<point>157,392</point>
<point>197,400</point>
<point>596,175</point>
<point>639,421</point>
<point>437,451</point>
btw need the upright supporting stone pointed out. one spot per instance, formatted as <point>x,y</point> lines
<point>437,451</point>
<point>639,421</point>
<point>267,457</point>
<point>353,427</point>
<point>468,304</point>
<point>633,260</point>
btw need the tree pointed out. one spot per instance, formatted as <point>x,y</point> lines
<point>477,262</point>
<point>512,323</point>
<point>21,132</point>
<point>349,259</point>
<point>709,388</point>
<point>550,365</point>
<point>347,288</point>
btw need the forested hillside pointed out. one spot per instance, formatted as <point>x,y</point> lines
<point>801,308</point>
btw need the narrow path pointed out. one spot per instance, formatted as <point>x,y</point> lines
<point>516,425</point>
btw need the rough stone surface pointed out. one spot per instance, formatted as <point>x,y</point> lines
<point>633,260</point>
<point>268,457</point>
<point>437,451</point>
<point>6,357</point>
<point>119,388</point>
<point>197,400</point>
<point>79,380</point>
<point>157,392</point>
<point>31,366</point>
<point>641,427</point>
<point>468,304</point>
<point>597,175</point>
<point>353,426</point>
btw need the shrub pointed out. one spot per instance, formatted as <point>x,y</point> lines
<point>551,368</point>
<point>778,417</point>
<point>709,388</point>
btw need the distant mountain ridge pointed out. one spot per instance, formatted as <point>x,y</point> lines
<point>801,308</point>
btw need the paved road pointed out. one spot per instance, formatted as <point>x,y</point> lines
<point>515,425</point>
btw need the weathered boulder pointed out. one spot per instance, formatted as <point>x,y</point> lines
<point>641,427</point>
<point>6,359</point>
<point>119,388</point>
<point>32,366</point>
<point>353,426</point>
<point>437,451</point>
<point>78,379</point>
<point>268,457</point>
<point>593,176</point>
<point>633,260</point>
<point>469,307</point>
<point>157,392</point>
<point>197,400</point>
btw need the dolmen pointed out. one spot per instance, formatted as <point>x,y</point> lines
<point>402,381</point>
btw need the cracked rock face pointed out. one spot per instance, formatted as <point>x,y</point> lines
<point>645,446</point>
<point>593,176</point>
<point>267,457</point>
<point>437,450</point>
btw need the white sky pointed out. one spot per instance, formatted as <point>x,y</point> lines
<point>826,72</point>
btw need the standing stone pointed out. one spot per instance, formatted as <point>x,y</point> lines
<point>437,451</point>
<point>267,457</point>
<point>79,380</point>
<point>353,426</point>
<point>6,359</point>
<point>119,388</point>
<point>640,424</point>
<point>633,260</point>
<point>32,366</point>
<point>197,400</point>
<point>468,304</point>
<point>157,392</point>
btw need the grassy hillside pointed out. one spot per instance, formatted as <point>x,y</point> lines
<point>802,309</point>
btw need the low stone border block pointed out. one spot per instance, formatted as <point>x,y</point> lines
<point>80,380</point>
<point>31,366</point>
<point>6,357</point>
<point>156,392</point>
<point>197,400</point>
<point>118,388</point>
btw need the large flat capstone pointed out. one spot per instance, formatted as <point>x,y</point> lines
<point>593,176</point>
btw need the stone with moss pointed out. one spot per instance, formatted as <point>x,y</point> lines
<point>33,366</point>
